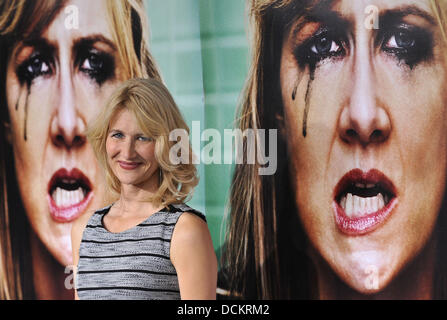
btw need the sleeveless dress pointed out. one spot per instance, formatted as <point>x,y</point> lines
<point>131,265</point>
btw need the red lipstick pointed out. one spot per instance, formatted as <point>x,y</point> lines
<point>363,201</point>
<point>69,193</point>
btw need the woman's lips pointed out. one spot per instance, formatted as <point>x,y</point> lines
<point>363,201</point>
<point>69,193</point>
<point>128,165</point>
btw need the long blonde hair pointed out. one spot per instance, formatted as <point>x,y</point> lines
<point>20,19</point>
<point>265,252</point>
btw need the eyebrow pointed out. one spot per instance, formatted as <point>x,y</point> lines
<point>402,12</point>
<point>92,39</point>
<point>322,13</point>
<point>43,44</point>
<point>325,15</point>
<point>40,44</point>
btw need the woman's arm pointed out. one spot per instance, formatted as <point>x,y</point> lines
<point>193,257</point>
<point>76,236</point>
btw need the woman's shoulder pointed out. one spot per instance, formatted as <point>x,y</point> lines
<point>191,236</point>
<point>184,208</point>
<point>191,225</point>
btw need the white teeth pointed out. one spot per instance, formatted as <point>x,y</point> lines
<point>380,201</point>
<point>343,202</point>
<point>66,198</point>
<point>355,206</point>
<point>369,205</point>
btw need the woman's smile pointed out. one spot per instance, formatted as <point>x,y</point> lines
<point>130,152</point>
<point>128,165</point>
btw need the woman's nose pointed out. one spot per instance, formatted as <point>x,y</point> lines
<point>67,126</point>
<point>128,149</point>
<point>364,118</point>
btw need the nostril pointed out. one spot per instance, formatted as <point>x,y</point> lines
<point>376,135</point>
<point>78,140</point>
<point>61,140</point>
<point>351,133</point>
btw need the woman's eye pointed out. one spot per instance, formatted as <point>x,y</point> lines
<point>117,135</point>
<point>401,40</point>
<point>92,63</point>
<point>34,67</point>
<point>325,46</point>
<point>410,44</point>
<point>97,65</point>
<point>145,139</point>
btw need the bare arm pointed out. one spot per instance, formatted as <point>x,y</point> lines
<point>193,257</point>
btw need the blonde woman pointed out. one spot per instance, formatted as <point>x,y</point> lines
<point>147,244</point>
<point>59,62</point>
<point>356,207</point>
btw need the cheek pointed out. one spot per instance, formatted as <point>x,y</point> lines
<point>110,148</point>
<point>93,98</point>
<point>149,153</point>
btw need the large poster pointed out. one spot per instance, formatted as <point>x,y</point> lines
<point>319,129</point>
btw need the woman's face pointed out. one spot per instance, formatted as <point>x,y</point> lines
<point>56,83</point>
<point>131,153</point>
<point>367,133</point>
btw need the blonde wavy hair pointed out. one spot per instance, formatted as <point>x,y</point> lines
<point>157,115</point>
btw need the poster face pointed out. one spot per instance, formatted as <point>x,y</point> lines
<point>319,133</point>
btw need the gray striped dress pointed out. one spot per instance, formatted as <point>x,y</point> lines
<point>133,264</point>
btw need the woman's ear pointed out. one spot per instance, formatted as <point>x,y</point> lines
<point>7,131</point>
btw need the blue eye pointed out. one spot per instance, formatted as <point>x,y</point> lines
<point>117,135</point>
<point>145,139</point>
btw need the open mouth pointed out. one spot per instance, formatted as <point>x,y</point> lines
<point>363,201</point>
<point>69,193</point>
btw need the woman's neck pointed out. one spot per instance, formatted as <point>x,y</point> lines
<point>413,283</point>
<point>137,194</point>
<point>49,276</point>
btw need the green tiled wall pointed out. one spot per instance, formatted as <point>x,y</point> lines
<point>202,51</point>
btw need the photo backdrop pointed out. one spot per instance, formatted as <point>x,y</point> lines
<point>203,58</point>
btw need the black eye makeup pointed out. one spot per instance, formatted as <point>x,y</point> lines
<point>406,43</point>
<point>96,64</point>
<point>325,43</point>
<point>38,64</point>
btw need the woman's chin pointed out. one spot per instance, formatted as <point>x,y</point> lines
<point>368,276</point>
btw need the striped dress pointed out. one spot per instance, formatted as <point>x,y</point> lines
<point>133,264</point>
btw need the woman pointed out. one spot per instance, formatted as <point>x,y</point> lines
<point>356,207</point>
<point>59,61</point>
<point>147,244</point>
